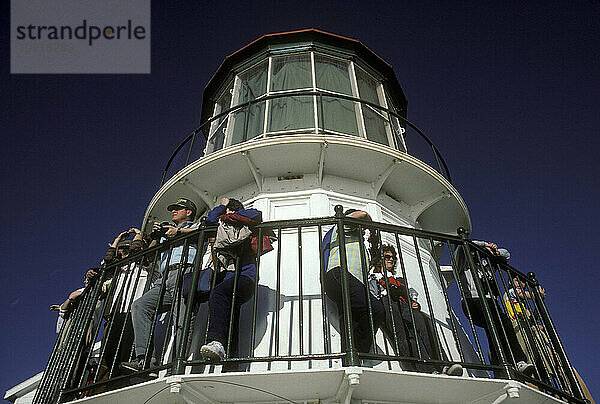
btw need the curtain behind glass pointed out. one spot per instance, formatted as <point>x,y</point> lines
<point>291,112</point>
<point>337,115</point>
<point>248,122</point>
<point>374,121</point>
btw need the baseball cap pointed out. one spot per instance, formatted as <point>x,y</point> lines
<point>183,203</point>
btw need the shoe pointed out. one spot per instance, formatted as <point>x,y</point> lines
<point>213,351</point>
<point>135,365</point>
<point>526,368</point>
<point>453,370</point>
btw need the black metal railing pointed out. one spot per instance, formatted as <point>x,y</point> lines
<point>417,144</point>
<point>293,321</point>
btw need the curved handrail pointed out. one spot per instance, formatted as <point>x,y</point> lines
<point>320,93</point>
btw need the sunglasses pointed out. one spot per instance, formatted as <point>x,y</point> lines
<point>389,257</point>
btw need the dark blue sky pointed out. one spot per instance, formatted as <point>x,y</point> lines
<point>508,92</point>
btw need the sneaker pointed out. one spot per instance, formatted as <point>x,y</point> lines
<point>213,351</point>
<point>135,365</point>
<point>453,370</point>
<point>526,368</point>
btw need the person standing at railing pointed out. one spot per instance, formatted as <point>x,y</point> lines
<point>472,303</point>
<point>142,310</point>
<point>69,305</point>
<point>236,265</point>
<point>130,281</point>
<point>398,318</point>
<point>357,290</point>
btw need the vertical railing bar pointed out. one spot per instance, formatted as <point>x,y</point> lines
<point>410,309</point>
<point>547,355</point>
<point>246,119</point>
<point>108,330</point>
<point>486,309</point>
<point>365,275</point>
<point>96,289</point>
<point>351,353</point>
<point>323,268</point>
<point>148,285</point>
<point>127,313</point>
<point>255,303</point>
<point>389,302</point>
<point>322,114</point>
<point>180,357</point>
<point>495,307</point>
<point>213,282</point>
<point>161,293</point>
<point>187,159</point>
<point>447,300</point>
<point>524,333</point>
<point>278,292</point>
<point>174,311</point>
<point>553,336</point>
<point>428,298</point>
<point>234,297</point>
<point>468,310</point>
<point>437,160</point>
<point>300,296</point>
<point>90,305</point>
<point>71,343</point>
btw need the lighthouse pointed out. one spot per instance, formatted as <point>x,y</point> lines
<point>302,126</point>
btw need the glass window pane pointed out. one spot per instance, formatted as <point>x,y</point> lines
<point>291,112</point>
<point>291,72</point>
<point>374,125</point>
<point>332,74</point>
<point>367,86</point>
<point>218,126</point>
<point>248,122</point>
<point>253,83</point>
<point>338,115</point>
<point>375,120</point>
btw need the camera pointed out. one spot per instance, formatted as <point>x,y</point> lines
<point>156,234</point>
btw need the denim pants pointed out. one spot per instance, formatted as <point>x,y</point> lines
<point>143,308</point>
<point>219,306</point>
<point>361,328</point>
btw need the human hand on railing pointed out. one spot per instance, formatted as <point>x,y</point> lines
<point>90,274</point>
<point>542,291</point>
<point>75,295</point>
<point>171,231</point>
<point>492,248</point>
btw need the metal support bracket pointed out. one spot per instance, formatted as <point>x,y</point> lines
<point>511,392</point>
<point>188,392</point>
<point>349,382</point>
<point>174,383</point>
<point>206,196</point>
<point>258,178</point>
<point>419,208</point>
<point>321,163</point>
<point>377,184</point>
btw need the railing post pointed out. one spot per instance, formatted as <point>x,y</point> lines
<point>553,335</point>
<point>178,367</point>
<point>351,353</point>
<point>486,309</point>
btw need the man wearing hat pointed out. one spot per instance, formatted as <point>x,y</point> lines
<point>183,212</point>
